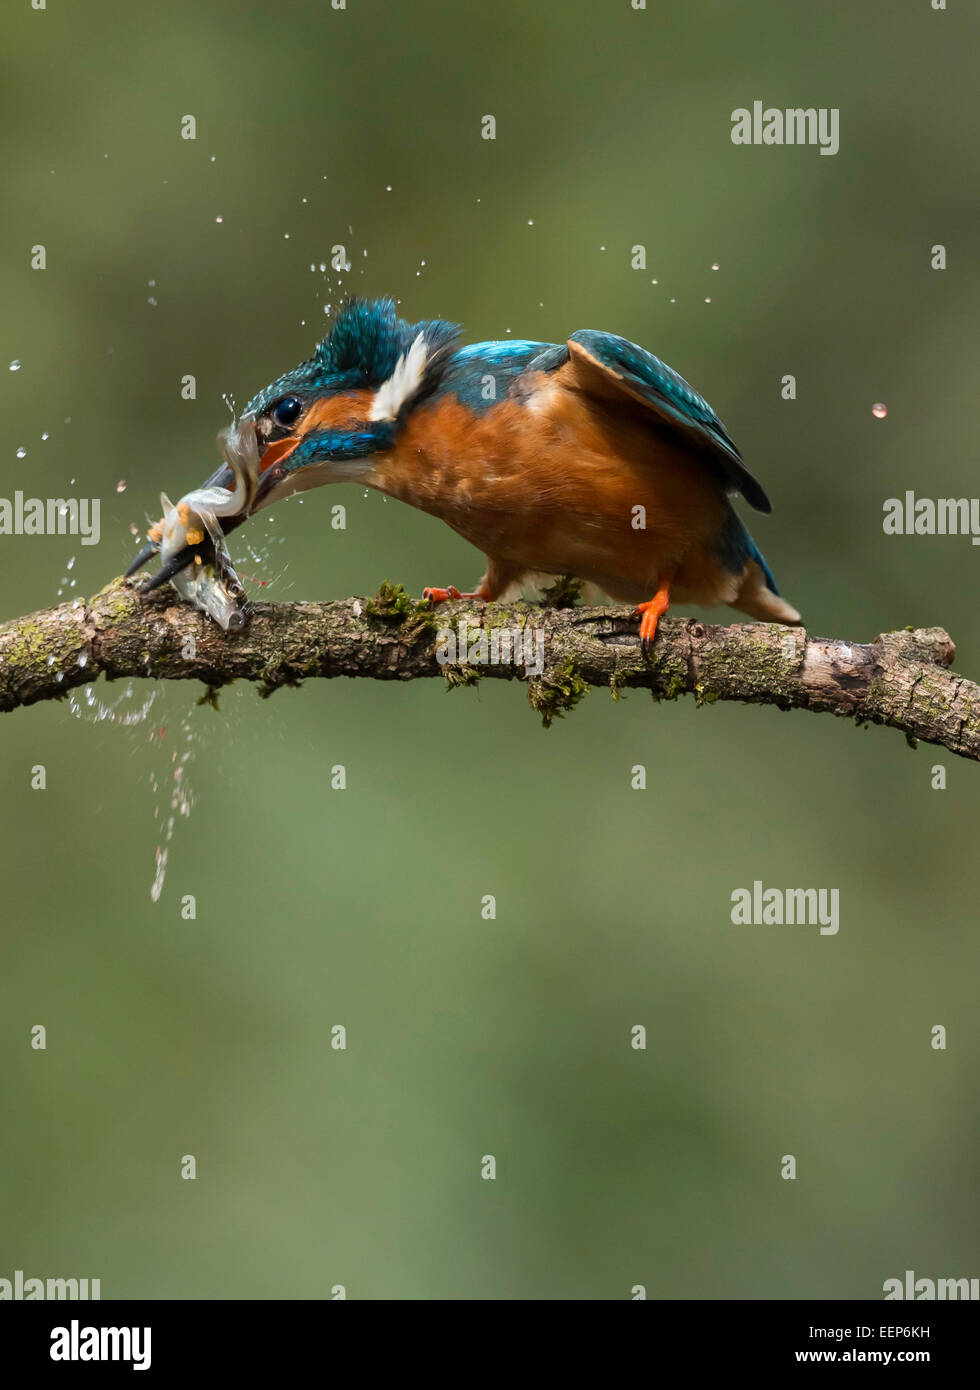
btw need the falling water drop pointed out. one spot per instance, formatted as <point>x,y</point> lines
<point>879,411</point>
<point>22,452</point>
<point>121,485</point>
<point>15,365</point>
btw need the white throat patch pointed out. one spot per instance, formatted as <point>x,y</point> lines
<point>403,383</point>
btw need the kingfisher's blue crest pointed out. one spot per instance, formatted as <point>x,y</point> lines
<point>362,349</point>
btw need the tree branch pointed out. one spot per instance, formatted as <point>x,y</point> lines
<point>900,680</point>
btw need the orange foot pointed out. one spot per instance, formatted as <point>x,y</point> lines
<point>649,615</point>
<point>441,595</point>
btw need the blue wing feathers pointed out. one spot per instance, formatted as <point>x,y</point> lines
<point>643,376</point>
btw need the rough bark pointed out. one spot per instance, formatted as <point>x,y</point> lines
<point>899,680</point>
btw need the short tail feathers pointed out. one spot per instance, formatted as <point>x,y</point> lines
<point>758,596</point>
<point>756,554</point>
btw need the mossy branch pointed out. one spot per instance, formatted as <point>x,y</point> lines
<point>899,680</point>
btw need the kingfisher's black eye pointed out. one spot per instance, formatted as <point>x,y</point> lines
<point>286,411</point>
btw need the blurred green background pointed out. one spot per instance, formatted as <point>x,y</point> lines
<point>362,907</point>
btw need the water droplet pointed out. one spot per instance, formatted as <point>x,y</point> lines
<point>654,282</point>
<point>59,676</point>
<point>152,284</point>
<point>22,452</point>
<point>151,300</point>
<point>121,485</point>
<point>44,435</point>
<point>879,411</point>
<point>134,530</point>
<point>707,299</point>
<point>15,365</point>
<point>50,660</point>
<point>715,265</point>
<point>83,658</point>
<point>530,221</point>
<point>673,301</point>
<point>219,219</point>
<point>71,564</point>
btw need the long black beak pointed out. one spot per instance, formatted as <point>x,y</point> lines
<point>221,477</point>
<point>239,447</point>
<point>147,553</point>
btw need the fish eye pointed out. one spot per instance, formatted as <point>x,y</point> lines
<point>286,411</point>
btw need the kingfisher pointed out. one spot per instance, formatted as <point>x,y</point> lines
<point>590,459</point>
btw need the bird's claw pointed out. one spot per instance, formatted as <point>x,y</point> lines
<point>441,595</point>
<point>649,614</point>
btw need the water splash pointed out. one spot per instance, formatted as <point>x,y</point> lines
<point>178,800</point>
<point>120,711</point>
<point>65,583</point>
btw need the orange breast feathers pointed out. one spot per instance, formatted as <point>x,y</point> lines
<point>562,483</point>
